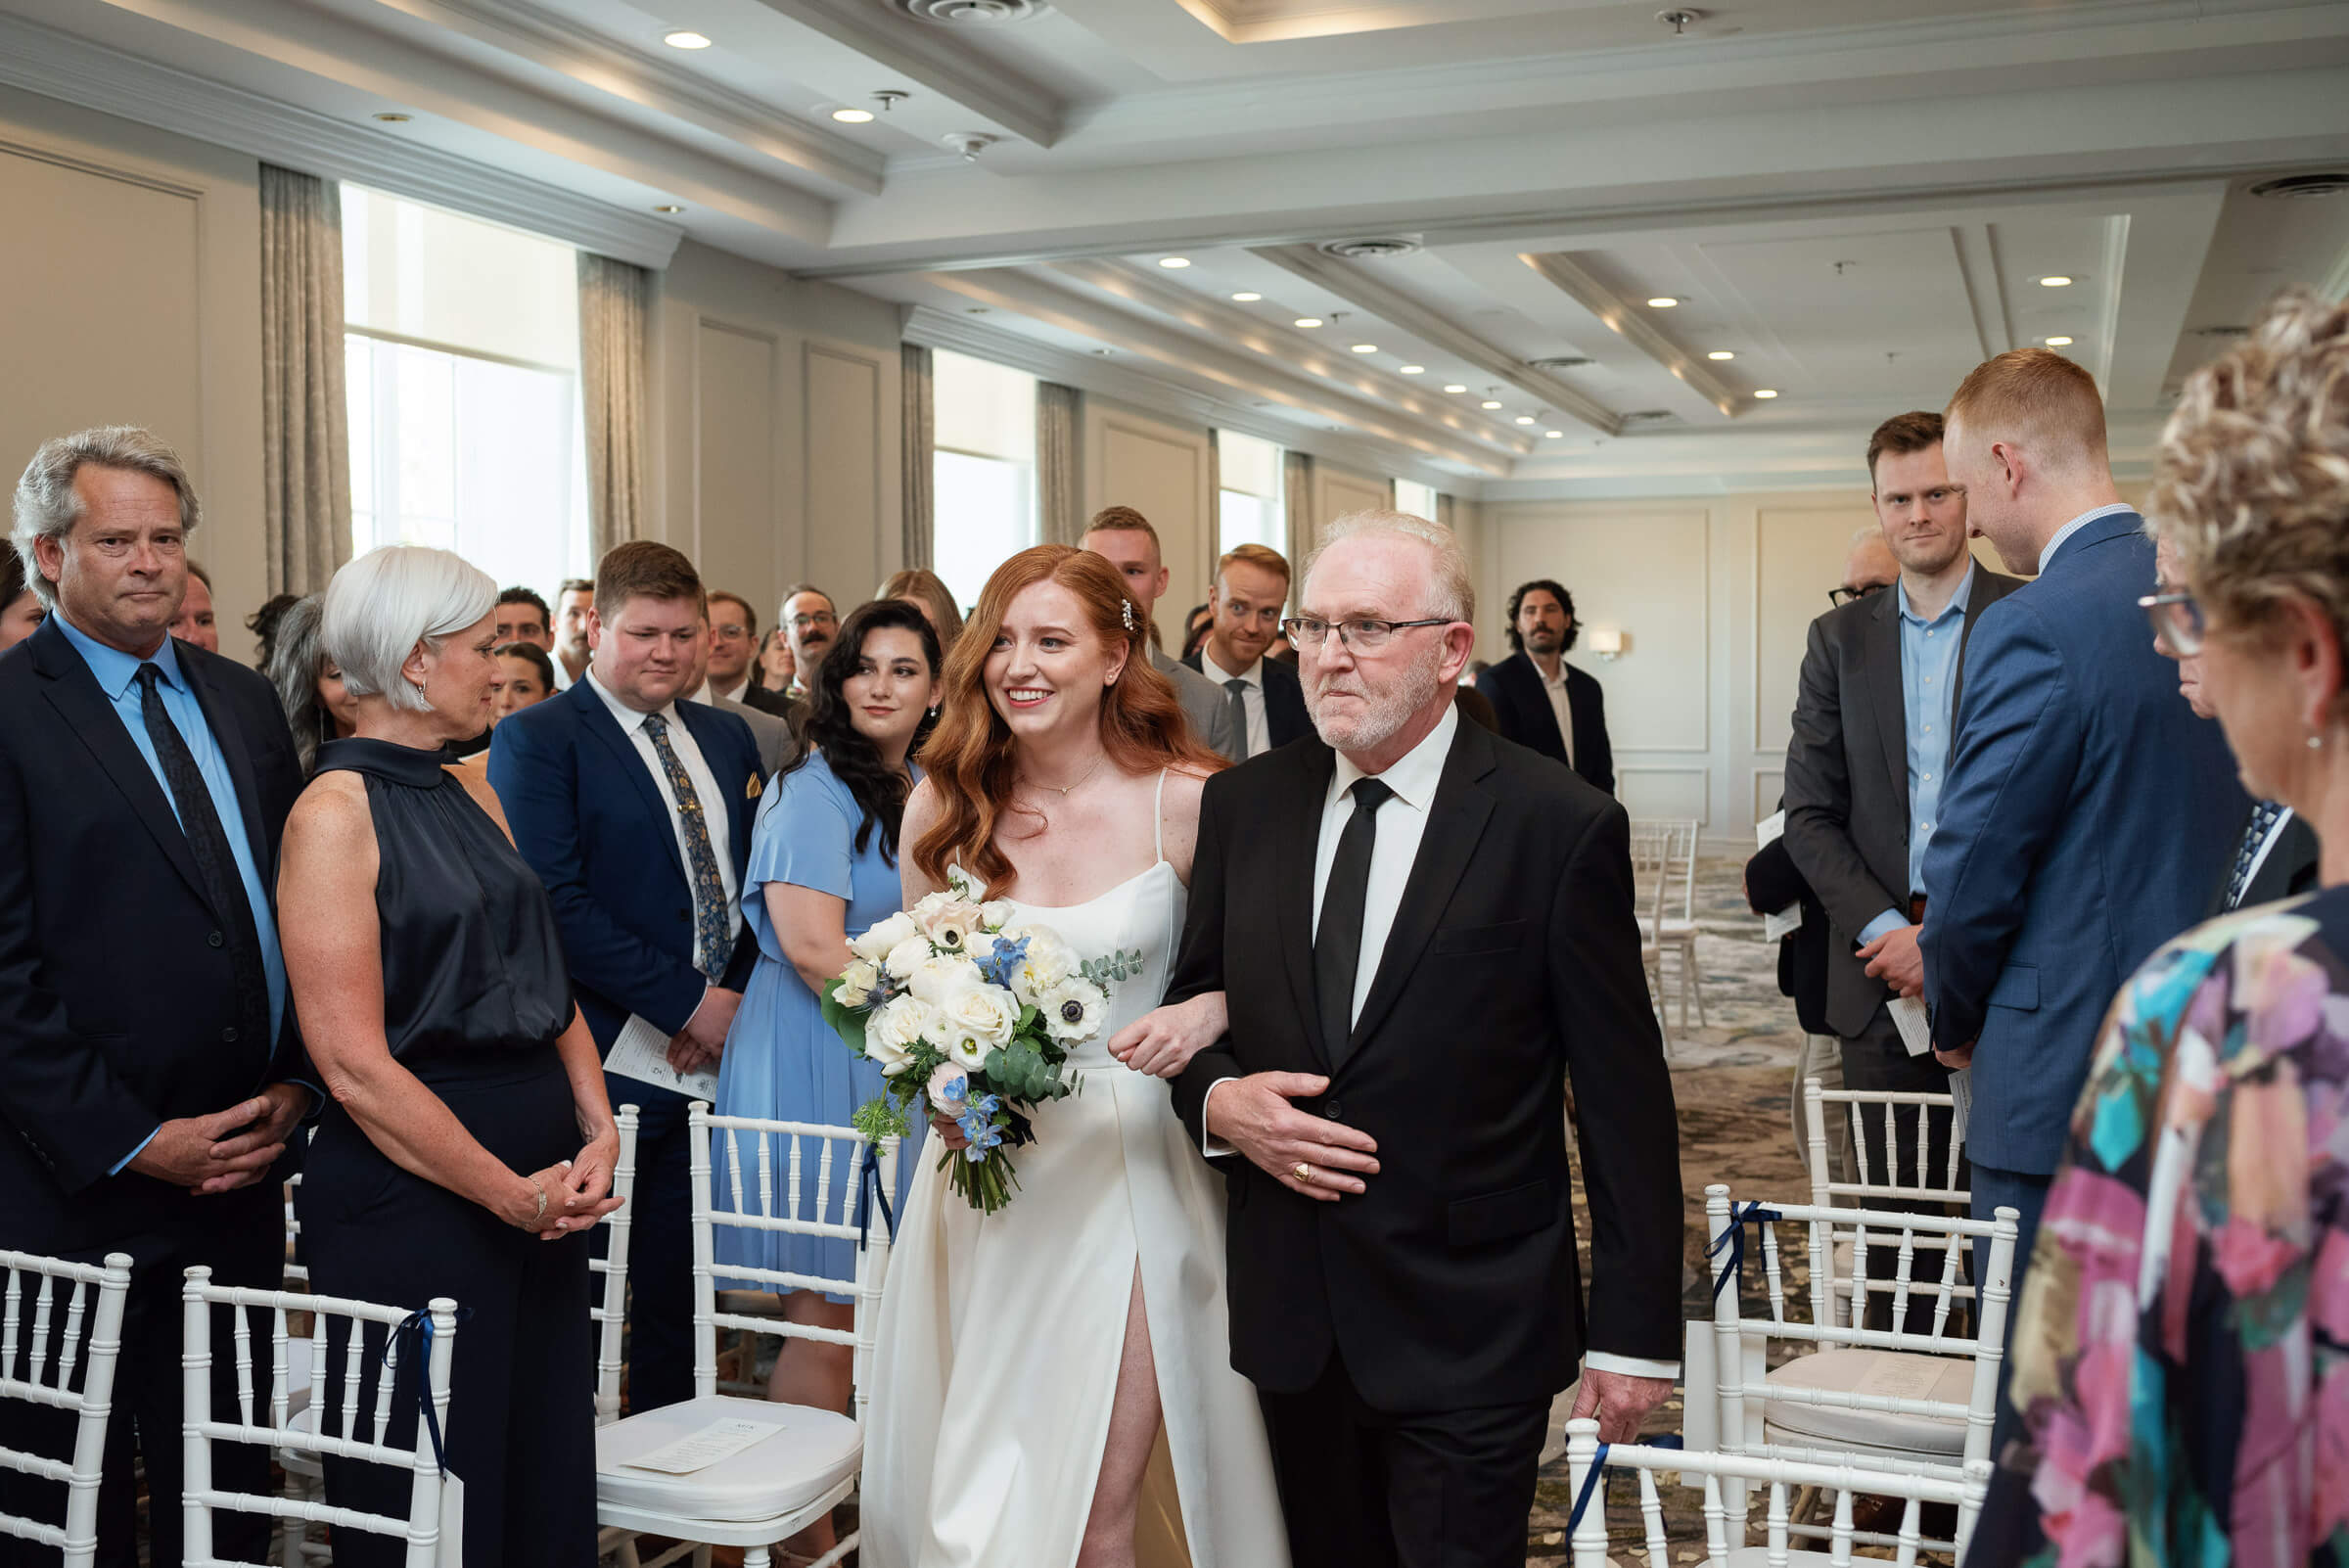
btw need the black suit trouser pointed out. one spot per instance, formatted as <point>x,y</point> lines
<point>245,1245</point>
<point>1364,1487</point>
<point>660,1247</point>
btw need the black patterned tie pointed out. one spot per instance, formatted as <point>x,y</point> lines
<point>1338,945</point>
<point>2264,817</point>
<point>714,933</point>
<point>1235,701</point>
<point>216,861</point>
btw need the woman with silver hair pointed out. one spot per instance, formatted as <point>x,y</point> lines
<point>469,1122</point>
<point>318,707</point>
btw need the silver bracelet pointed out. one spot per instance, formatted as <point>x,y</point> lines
<point>541,1214</point>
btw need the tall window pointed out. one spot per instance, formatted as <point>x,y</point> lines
<point>985,473</point>
<point>463,368</point>
<point>1417,500</point>
<point>1248,510</point>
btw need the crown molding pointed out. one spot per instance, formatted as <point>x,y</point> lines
<point>1107,377</point>
<point>1007,102</point>
<point>57,65</point>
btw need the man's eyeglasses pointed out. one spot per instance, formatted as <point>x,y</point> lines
<point>821,617</point>
<point>1307,632</point>
<point>1845,596</point>
<point>2176,621</point>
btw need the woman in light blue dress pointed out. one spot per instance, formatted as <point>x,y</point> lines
<point>824,868</point>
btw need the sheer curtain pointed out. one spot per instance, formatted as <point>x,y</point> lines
<point>615,311</point>
<point>920,454</point>
<point>1297,486</point>
<point>305,422</point>
<point>1059,494</point>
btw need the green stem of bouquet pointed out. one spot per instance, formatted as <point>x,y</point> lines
<point>987,1186</point>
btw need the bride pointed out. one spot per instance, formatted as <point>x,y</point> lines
<point>1046,1373</point>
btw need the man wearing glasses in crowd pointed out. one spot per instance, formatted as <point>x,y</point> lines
<point>809,624</point>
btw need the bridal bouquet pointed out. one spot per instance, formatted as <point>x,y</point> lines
<point>970,1016</point>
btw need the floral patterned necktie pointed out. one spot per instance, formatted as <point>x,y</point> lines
<point>713,931</point>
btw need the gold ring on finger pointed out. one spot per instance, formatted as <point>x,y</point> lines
<point>1305,1172</point>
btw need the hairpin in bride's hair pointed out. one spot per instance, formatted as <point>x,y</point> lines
<point>1125,606</point>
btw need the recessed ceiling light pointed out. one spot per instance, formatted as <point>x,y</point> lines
<point>1365,347</point>
<point>1412,370</point>
<point>1104,353</point>
<point>2059,341</point>
<point>1662,302</point>
<point>683,38</point>
<point>1525,419</point>
<point>2059,281</point>
<point>1307,322</point>
<point>1246,296</point>
<point>669,207</point>
<point>1174,263</point>
<point>854,117</point>
<point>1454,387</point>
<point>1554,434</point>
<point>392,119</point>
<point>1722,354</point>
<point>1766,394</point>
<point>1490,402</point>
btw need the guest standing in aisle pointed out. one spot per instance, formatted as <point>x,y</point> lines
<point>469,1122</point>
<point>1543,701</point>
<point>1263,693</point>
<point>634,806</point>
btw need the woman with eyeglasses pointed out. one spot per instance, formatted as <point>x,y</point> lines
<point>2182,1347</point>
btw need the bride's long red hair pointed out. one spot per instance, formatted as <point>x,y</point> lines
<point>969,756</point>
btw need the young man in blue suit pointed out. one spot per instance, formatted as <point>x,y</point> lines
<point>2085,808</point>
<point>634,806</point>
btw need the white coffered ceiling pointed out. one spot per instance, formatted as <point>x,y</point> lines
<point>1855,199</point>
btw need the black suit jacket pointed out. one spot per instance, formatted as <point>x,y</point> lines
<point>1847,779</point>
<point>591,822</point>
<point>768,701</point>
<point>1514,959</point>
<point>2290,870</point>
<point>118,994</point>
<point>1515,688</point>
<point>1285,718</point>
<point>1772,883</point>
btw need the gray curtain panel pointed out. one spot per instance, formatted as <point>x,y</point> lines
<point>1297,503</point>
<point>1444,510</point>
<point>614,321</point>
<point>920,454</point>
<point>306,424</point>
<point>1059,493</point>
<point>1391,497</point>
<point>1214,494</point>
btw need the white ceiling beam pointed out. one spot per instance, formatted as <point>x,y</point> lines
<point>1977,252</point>
<point>1625,322</point>
<point>2154,257</point>
<point>1391,304</point>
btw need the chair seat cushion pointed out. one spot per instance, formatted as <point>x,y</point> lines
<point>1896,1374</point>
<point>815,1452</point>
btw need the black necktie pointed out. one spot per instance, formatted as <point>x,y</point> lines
<point>216,861</point>
<point>1338,945</point>
<point>1235,703</point>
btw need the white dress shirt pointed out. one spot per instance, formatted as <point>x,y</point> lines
<point>2075,525</point>
<point>1402,823</point>
<point>1561,706</point>
<point>1259,735</point>
<point>734,696</point>
<point>704,788</point>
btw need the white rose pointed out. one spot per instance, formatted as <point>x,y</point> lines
<point>984,1015</point>
<point>951,925</point>
<point>859,982</point>
<point>893,1032</point>
<point>1072,1011</point>
<point>939,979</point>
<point>995,913</point>
<point>1048,962</point>
<point>906,957</point>
<point>979,945</point>
<point>876,943</point>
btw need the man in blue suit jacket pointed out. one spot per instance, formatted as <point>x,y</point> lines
<point>634,808</point>
<point>2086,809</point>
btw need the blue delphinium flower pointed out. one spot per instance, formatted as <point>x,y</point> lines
<point>978,1125</point>
<point>998,966</point>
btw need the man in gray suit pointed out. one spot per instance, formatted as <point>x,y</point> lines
<point>776,742</point>
<point>1129,543</point>
<point>1871,746</point>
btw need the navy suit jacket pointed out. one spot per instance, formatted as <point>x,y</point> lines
<point>117,992</point>
<point>1514,687</point>
<point>1285,715</point>
<point>591,821</point>
<point>2086,812</point>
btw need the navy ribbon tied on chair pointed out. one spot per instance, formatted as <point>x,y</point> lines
<point>1598,1468</point>
<point>868,1194</point>
<point>1732,1239</point>
<point>418,1324</point>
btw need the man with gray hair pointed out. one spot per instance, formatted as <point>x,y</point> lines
<point>149,1063</point>
<point>1418,928</point>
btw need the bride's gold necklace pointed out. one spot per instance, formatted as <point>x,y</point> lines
<point>1062,790</point>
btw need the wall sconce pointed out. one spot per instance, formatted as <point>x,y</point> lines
<point>1607,642</point>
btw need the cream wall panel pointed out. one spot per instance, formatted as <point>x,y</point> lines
<point>736,475</point>
<point>1159,470</point>
<point>130,294</point>
<point>845,477</point>
<point>1647,790</point>
<point>1798,557</point>
<point>1338,491</point>
<point>1768,784</point>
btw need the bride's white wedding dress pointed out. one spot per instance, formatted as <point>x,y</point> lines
<point>1001,1335</point>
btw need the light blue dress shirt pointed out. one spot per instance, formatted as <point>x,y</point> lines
<point>117,675</point>
<point>1928,670</point>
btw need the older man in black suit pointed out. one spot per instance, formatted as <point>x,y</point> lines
<point>1543,701</point>
<point>1420,929</point>
<point>149,1064</point>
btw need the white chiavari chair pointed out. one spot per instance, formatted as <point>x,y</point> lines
<point>1651,874</point>
<point>1903,1127</point>
<point>1676,911</point>
<point>1915,1402</point>
<point>1726,1479</point>
<point>72,1322</point>
<point>355,1427</point>
<point>609,1308</point>
<point>780,1177</point>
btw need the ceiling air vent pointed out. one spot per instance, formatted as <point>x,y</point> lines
<point>2221,332</point>
<point>2332,182</point>
<point>971,12</point>
<point>1374,247</point>
<point>1559,362</point>
<point>1651,416</point>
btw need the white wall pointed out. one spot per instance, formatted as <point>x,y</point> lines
<point>1159,468</point>
<point>130,294</point>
